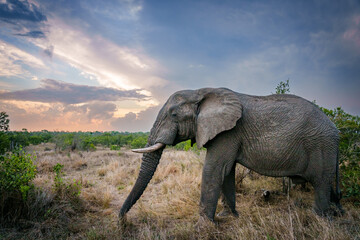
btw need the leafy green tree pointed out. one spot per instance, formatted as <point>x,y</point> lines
<point>4,142</point>
<point>18,139</point>
<point>4,122</point>
<point>4,127</point>
<point>283,87</point>
<point>349,150</point>
<point>63,141</point>
<point>139,142</point>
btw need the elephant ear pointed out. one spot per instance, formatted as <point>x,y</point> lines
<point>218,111</point>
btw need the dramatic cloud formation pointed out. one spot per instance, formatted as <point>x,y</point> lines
<point>96,115</point>
<point>79,107</point>
<point>106,51</point>
<point>25,18</point>
<point>110,64</point>
<point>136,122</point>
<point>13,60</point>
<point>13,10</point>
<point>57,91</point>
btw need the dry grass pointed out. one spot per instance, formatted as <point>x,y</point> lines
<point>168,209</point>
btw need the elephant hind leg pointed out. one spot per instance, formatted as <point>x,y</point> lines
<point>327,202</point>
<point>322,198</point>
<point>322,173</point>
<point>335,199</point>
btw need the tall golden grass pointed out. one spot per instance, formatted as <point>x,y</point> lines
<point>168,209</point>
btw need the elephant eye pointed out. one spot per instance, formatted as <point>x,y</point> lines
<point>173,114</point>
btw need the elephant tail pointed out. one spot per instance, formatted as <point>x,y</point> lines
<point>338,191</point>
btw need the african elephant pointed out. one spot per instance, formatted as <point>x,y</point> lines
<point>277,135</point>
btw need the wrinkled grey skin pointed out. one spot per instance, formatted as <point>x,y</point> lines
<point>278,135</point>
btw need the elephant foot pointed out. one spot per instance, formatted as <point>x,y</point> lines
<point>337,210</point>
<point>332,211</point>
<point>227,212</point>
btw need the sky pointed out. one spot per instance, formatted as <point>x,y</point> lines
<point>71,65</point>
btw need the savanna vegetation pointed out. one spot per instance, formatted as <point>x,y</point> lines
<point>70,185</point>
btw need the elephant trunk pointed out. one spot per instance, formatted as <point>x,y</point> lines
<point>148,166</point>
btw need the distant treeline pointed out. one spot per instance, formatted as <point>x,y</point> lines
<point>114,140</point>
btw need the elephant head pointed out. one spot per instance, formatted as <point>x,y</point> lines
<point>198,115</point>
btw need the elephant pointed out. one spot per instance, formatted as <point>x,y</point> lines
<point>279,135</point>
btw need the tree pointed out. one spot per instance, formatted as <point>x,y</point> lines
<point>349,149</point>
<point>4,127</point>
<point>283,87</point>
<point>4,122</point>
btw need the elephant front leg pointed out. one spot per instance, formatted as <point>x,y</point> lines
<point>219,169</point>
<point>228,195</point>
<point>213,177</point>
<point>210,191</point>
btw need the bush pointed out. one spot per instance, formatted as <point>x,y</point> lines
<point>186,146</point>
<point>349,151</point>
<point>16,173</point>
<point>92,147</point>
<point>4,142</point>
<point>138,142</point>
<point>17,170</point>
<point>65,190</point>
<point>114,147</point>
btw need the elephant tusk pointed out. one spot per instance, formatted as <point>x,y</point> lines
<point>152,148</point>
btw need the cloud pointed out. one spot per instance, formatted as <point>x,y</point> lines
<point>352,34</point>
<point>32,34</point>
<point>23,18</point>
<point>127,75</point>
<point>57,91</point>
<point>12,60</point>
<point>132,122</point>
<point>49,51</point>
<point>122,10</point>
<point>20,10</point>
<point>112,65</point>
<point>94,116</point>
<point>94,110</point>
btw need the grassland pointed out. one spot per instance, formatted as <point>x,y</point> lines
<point>168,209</point>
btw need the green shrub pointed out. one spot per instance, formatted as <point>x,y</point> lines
<point>65,190</point>
<point>17,170</point>
<point>349,151</point>
<point>92,147</point>
<point>4,142</point>
<point>114,147</point>
<point>58,180</point>
<point>351,183</point>
<point>138,142</point>
<point>186,146</point>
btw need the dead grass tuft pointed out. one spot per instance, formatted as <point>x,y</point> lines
<point>99,197</point>
<point>102,172</point>
<point>79,163</point>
